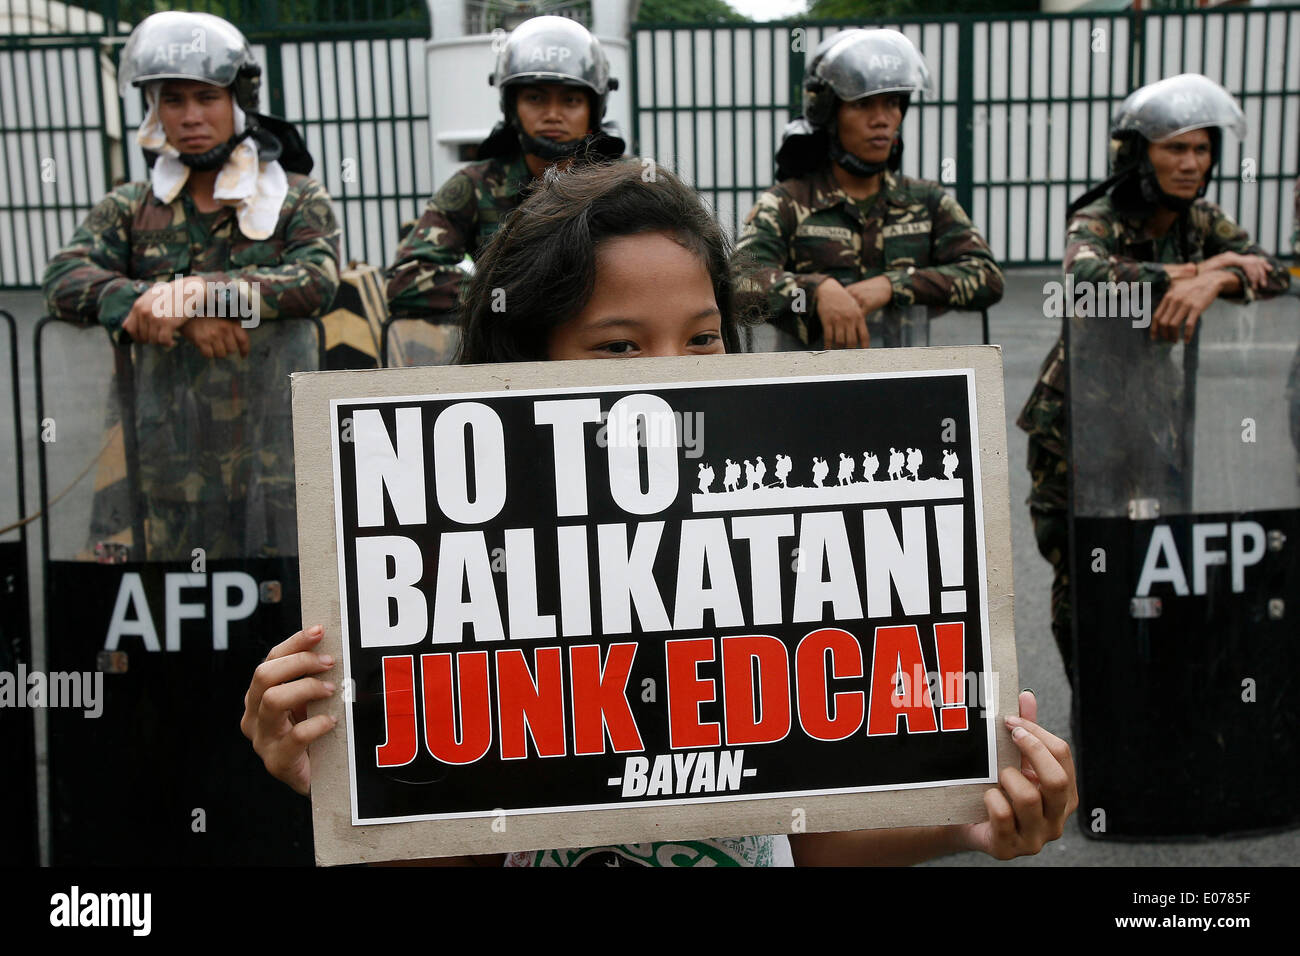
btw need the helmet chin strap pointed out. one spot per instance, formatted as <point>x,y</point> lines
<point>548,149</point>
<point>846,160</point>
<point>216,157</point>
<point>1149,183</point>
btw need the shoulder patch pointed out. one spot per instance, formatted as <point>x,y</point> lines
<point>319,214</point>
<point>1097,228</point>
<point>953,208</point>
<point>1225,229</point>
<point>102,216</point>
<point>455,194</point>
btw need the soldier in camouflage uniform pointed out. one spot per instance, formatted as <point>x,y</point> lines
<point>168,260</point>
<point>1147,223</point>
<point>1295,234</point>
<point>1293,380</point>
<point>842,234</point>
<point>554,83</point>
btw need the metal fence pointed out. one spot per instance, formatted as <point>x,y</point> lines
<point>1018,127</point>
<point>1016,131</point>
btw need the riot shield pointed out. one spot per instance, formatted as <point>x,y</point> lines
<point>957,326</point>
<point>1183,577</point>
<point>170,553</point>
<point>18,817</point>
<point>919,326</point>
<point>895,327</point>
<point>412,342</point>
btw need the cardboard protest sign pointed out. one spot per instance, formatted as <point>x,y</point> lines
<point>686,598</point>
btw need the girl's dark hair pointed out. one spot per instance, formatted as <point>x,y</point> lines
<point>539,270</point>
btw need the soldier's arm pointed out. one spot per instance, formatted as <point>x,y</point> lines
<point>1225,236</point>
<point>1295,236</point>
<point>965,274</point>
<point>788,299</point>
<point>426,276</point>
<point>1092,255</point>
<point>305,277</point>
<point>89,280</point>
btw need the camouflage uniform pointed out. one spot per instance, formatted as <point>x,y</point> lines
<point>1101,245</point>
<point>214,436</point>
<point>462,216</point>
<point>1295,234</point>
<point>805,230</point>
<point>1293,380</point>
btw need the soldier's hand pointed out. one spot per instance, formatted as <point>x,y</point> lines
<point>1255,267</point>
<point>844,323</point>
<point>216,338</point>
<point>149,322</point>
<point>275,707</point>
<point>871,294</point>
<point>1182,305</point>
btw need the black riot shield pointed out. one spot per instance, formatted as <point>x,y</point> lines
<point>18,816</point>
<point>170,550</point>
<point>411,342</point>
<point>896,327</point>
<point>1185,584</point>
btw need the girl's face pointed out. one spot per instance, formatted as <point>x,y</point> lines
<point>653,297</point>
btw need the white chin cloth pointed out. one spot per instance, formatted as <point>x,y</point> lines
<point>255,189</point>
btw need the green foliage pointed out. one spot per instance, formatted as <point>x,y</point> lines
<point>688,11</point>
<point>867,9</point>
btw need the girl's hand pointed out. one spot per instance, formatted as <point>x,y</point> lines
<point>275,707</point>
<point>1031,806</point>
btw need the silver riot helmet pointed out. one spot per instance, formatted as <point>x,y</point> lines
<point>207,49</point>
<point>551,50</point>
<point>1155,113</point>
<point>1178,105</point>
<point>190,46</point>
<point>848,66</point>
